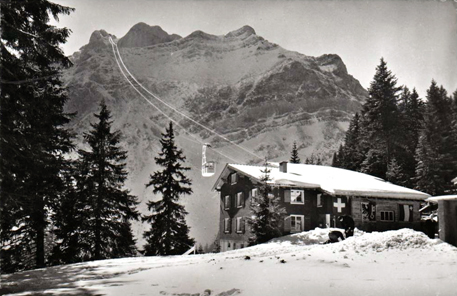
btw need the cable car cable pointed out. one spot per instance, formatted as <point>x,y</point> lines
<point>158,109</point>
<point>173,108</point>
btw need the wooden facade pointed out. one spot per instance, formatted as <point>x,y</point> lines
<point>315,209</point>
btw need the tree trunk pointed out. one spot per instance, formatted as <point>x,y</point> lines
<point>40,225</point>
<point>40,247</point>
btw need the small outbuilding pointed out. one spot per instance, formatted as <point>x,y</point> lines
<point>447,217</point>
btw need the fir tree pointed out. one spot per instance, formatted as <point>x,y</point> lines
<point>169,233</point>
<point>380,114</point>
<point>294,154</point>
<point>311,159</point>
<point>338,157</point>
<point>267,214</point>
<point>395,173</point>
<point>215,247</point>
<point>34,138</point>
<point>69,215</point>
<point>110,207</point>
<point>335,159</point>
<point>411,118</point>
<point>435,154</point>
<point>351,155</point>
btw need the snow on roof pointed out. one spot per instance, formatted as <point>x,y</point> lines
<point>435,199</point>
<point>334,181</point>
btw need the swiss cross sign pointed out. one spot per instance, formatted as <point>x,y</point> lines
<point>340,205</point>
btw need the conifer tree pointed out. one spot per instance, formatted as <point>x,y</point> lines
<point>169,233</point>
<point>435,154</point>
<point>338,157</point>
<point>267,214</point>
<point>68,218</point>
<point>311,159</point>
<point>411,118</point>
<point>351,155</point>
<point>294,154</point>
<point>335,159</point>
<point>33,135</point>
<point>395,173</point>
<point>380,114</point>
<point>110,206</point>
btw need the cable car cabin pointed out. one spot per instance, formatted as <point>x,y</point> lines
<point>208,169</point>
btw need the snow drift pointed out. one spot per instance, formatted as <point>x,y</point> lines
<point>401,262</point>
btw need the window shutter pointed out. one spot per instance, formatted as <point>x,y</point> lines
<point>242,199</point>
<point>227,201</point>
<point>226,225</point>
<point>243,225</point>
<point>287,195</point>
<point>287,226</point>
<point>230,225</point>
<point>233,178</point>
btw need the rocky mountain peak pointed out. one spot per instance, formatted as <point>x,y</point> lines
<point>98,39</point>
<point>201,35</point>
<point>244,31</point>
<point>332,63</point>
<point>142,35</point>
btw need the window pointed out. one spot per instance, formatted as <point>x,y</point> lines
<point>239,225</point>
<point>253,194</point>
<point>233,178</point>
<point>227,225</point>
<point>296,223</point>
<point>227,202</point>
<point>240,200</point>
<point>297,197</point>
<point>387,215</point>
<point>319,200</point>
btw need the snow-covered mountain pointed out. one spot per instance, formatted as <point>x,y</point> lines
<point>253,92</point>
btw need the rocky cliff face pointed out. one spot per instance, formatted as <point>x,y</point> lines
<point>244,87</point>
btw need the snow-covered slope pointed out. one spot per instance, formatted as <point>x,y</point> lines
<point>246,88</point>
<point>401,262</point>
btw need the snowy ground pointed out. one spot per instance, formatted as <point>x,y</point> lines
<point>402,262</point>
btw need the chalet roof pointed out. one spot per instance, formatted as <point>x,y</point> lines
<point>334,181</point>
<point>435,199</point>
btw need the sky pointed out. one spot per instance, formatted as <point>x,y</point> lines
<point>417,39</point>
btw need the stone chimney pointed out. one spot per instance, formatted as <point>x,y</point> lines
<point>283,167</point>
